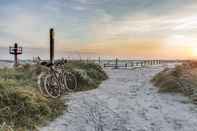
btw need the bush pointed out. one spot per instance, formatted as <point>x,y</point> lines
<point>183,79</point>
<point>89,75</point>
<point>167,80</point>
<point>21,104</point>
<point>22,107</point>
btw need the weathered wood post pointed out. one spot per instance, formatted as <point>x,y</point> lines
<point>125,65</point>
<point>51,46</point>
<point>141,63</point>
<point>116,63</point>
<point>99,60</point>
<point>15,51</point>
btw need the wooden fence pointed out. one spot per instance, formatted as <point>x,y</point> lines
<point>120,64</point>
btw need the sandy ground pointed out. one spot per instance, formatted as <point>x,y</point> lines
<point>127,101</point>
<point>5,64</point>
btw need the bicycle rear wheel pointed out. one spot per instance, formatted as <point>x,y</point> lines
<point>52,86</point>
<point>71,81</point>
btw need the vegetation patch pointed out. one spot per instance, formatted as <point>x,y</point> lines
<point>182,79</point>
<point>89,75</point>
<point>22,107</point>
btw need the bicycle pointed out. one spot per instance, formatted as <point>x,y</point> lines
<point>56,81</point>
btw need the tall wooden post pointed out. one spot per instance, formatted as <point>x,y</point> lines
<point>15,54</point>
<point>51,46</point>
<point>15,51</point>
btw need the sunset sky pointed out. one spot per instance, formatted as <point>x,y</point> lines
<point>124,28</point>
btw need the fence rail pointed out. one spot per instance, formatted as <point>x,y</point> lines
<point>133,63</point>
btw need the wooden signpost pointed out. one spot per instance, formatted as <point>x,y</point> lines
<point>15,51</point>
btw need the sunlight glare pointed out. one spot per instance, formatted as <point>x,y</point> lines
<point>194,52</point>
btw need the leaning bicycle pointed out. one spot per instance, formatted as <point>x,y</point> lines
<point>56,82</point>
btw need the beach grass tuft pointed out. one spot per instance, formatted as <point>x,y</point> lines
<point>182,79</point>
<point>22,107</point>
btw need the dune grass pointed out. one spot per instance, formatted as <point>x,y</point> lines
<point>182,79</point>
<point>89,75</point>
<point>22,107</point>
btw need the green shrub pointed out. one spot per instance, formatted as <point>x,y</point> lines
<point>182,78</point>
<point>21,104</point>
<point>166,80</point>
<point>26,108</point>
<point>89,75</point>
<point>22,107</point>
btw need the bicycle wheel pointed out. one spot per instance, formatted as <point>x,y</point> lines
<point>71,81</point>
<point>52,86</point>
<point>40,83</point>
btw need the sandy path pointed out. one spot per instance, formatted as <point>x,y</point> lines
<point>127,101</point>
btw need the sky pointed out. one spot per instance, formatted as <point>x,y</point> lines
<point>144,29</point>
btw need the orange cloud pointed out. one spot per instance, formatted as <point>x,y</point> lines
<point>126,47</point>
<point>136,48</point>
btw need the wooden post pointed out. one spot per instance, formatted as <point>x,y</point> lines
<point>15,51</point>
<point>15,54</point>
<point>51,46</point>
<point>116,63</point>
<point>99,60</point>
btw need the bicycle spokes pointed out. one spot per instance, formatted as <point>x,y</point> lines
<point>56,82</point>
<point>71,81</point>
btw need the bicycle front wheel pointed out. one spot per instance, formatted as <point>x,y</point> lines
<point>52,87</point>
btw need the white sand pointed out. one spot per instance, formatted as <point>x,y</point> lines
<point>5,64</point>
<point>127,101</point>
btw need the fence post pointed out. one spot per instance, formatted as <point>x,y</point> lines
<point>141,63</point>
<point>116,63</point>
<point>125,65</point>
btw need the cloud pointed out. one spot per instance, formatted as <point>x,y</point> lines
<point>131,26</point>
<point>99,24</point>
<point>79,8</point>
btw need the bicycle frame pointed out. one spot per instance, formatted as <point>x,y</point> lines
<point>56,78</point>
